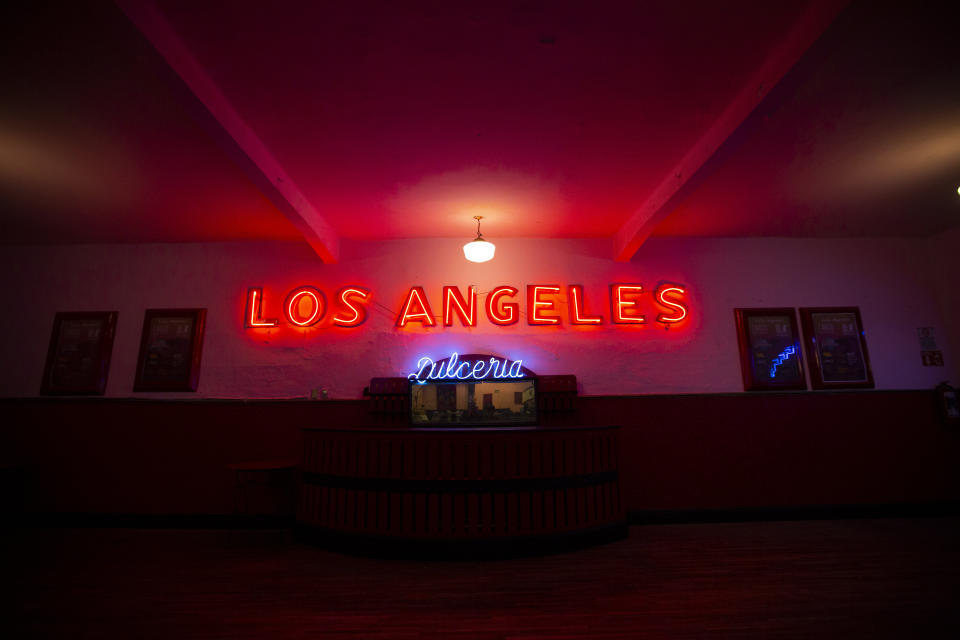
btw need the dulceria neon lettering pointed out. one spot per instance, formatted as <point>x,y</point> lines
<point>453,368</point>
<point>548,305</point>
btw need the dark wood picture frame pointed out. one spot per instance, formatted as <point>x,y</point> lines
<point>827,368</point>
<point>763,355</point>
<point>948,402</point>
<point>171,346</point>
<point>78,358</point>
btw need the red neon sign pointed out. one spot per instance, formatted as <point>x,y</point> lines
<point>253,314</point>
<point>306,306</point>
<point>536,305</point>
<point>577,314</point>
<point>453,301</point>
<point>679,311</point>
<point>502,313</point>
<point>416,309</point>
<point>624,304</point>
<point>293,306</point>
<point>358,314</point>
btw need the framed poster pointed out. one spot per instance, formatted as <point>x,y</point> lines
<point>170,350</point>
<point>949,401</point>
<point>838,350</point>
<point>78,359</point>
<point>770,355</point>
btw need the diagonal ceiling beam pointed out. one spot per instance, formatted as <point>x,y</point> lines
<point>229,129</point>
<point>664,198</point>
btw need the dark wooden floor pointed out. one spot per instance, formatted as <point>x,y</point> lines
<point>885,578</point>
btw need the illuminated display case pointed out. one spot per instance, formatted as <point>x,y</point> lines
<point>473,403</point>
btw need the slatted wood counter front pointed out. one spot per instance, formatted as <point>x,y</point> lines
<point>450,489</point>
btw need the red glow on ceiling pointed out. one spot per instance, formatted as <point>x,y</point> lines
<point>550,119</point>
<point>404,120</point>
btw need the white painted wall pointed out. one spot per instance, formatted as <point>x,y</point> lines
<point>889,279</point>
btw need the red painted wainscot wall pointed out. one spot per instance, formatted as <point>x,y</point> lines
<point>679,452</point>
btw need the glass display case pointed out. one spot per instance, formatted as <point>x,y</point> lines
<point>473,403</point>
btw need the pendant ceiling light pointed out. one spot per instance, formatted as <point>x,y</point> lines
<point>478,249</point>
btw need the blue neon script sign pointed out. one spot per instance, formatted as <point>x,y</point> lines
<point>453,368</point>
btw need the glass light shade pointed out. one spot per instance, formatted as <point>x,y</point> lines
<point>479,250</point>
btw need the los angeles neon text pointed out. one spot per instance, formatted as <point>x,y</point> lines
<point>548,305</point>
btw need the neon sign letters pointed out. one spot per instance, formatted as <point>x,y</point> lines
<point>293,307</point>
<point>453,368</point>
<point>306,306</point>
<point>499,312</point>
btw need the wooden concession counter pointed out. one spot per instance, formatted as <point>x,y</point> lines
<point>389,489</point>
